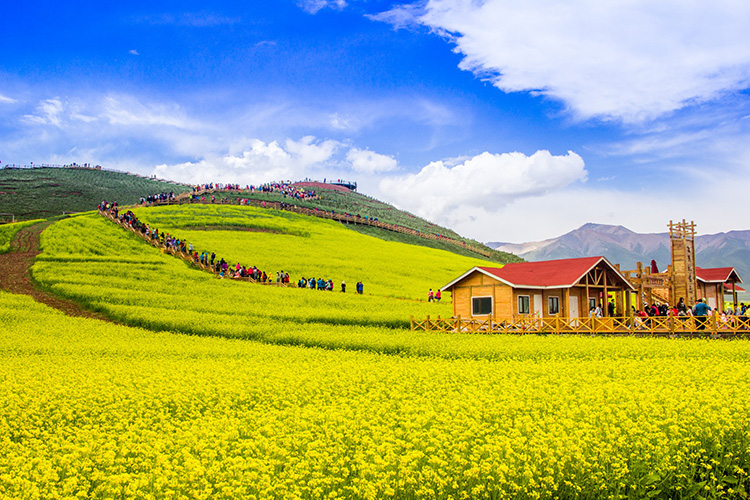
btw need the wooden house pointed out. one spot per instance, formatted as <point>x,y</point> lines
<point>713,283</point>
<point>565,288</point>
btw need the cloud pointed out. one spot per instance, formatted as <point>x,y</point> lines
<point>629,61</point>
<point>256,163</point>
<point>190,19</point>
<point>133,52</point>
<point>132,112</point>
<point>449,195</point>
<point>401,16</point>
<point>48,112</point>
<point>313,6</point>
<point>369,162</point>
<point>6,100</point>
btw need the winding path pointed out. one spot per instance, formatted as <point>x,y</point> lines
<point>15,273</point>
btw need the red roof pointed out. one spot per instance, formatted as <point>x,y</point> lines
<point>562,273</point>
<point>728,287</point>
<point>717,274</point>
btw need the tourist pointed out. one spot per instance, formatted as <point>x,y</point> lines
<point>700,311</point>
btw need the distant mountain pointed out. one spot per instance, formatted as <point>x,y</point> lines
<point>622,246</point>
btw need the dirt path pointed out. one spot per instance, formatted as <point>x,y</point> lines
<point>15,273</point>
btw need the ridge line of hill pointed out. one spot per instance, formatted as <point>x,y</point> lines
<point>346,218</point>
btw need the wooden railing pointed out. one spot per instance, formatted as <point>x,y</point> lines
<point>734,326</point>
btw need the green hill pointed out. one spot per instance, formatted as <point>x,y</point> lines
<point>342,200</point>
<point>41,193</point>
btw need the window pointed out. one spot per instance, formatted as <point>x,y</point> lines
<point>481,306</point>
<point>592,304</point>
<point>524,305</point>
<point>553,305</point>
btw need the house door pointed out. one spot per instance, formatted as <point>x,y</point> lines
<point>538,305</point>
<point>712,302</point>
<point>573,301</point>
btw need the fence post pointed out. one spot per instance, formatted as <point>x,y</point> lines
<point>411,322</point>
<point>715,322</point>
<point>427,323</point>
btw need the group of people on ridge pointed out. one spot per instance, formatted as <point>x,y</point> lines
<point>221,267</point>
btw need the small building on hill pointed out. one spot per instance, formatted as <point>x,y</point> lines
<point>713,283</point>
<point>565,288</point>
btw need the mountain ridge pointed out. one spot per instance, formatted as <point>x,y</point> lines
<point>623,246</point>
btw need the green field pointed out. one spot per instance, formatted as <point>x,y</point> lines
<point>41,193</point>
<point>214,388</point>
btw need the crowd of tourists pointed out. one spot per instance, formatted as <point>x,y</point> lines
<point>217,186</point>
<point>156,198</point>
<point>701,311</point>
<point>209,261</point>
<point>322,284</point>
<point>285,188</point>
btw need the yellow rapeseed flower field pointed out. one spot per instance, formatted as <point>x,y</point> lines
<point>94,410</point>
<point>349,403</point>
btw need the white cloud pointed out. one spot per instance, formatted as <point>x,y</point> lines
<point>133,52</point>
<point>49,112</point>
<point>313,6</point>
<point>401,16</point>
<point>258,162</point>
<point>129,111</point>
<point>552,215</point>
<point>450,195</point>
<point>628,60</point>
<point>307,152</point>
<point>369,162</point>
<point>189,19</point>
<point>6,100</point>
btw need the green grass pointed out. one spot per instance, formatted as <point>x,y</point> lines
<point>42,193</point>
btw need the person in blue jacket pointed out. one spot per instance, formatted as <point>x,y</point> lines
<point>700,311</point>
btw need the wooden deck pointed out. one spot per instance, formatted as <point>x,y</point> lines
<point>686,326</point>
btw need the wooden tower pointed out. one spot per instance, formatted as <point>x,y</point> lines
<point>682,244</point>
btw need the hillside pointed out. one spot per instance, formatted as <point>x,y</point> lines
<point>342,200</point>
<point>48,192</point>
<point>626,247</point>
<point>40,193</point>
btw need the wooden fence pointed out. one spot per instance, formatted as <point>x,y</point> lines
<point>688,326</point>
<point>313,212</point>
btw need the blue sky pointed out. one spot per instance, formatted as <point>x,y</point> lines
<point>505,121</point>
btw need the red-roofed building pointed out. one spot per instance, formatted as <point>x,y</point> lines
<point>566,288</point>
<point>713,283</point>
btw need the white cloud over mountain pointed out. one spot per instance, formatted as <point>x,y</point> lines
<point>629,61</point>
<point>369,162</point>
<point>258,162</point>
<point>487,181</point>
